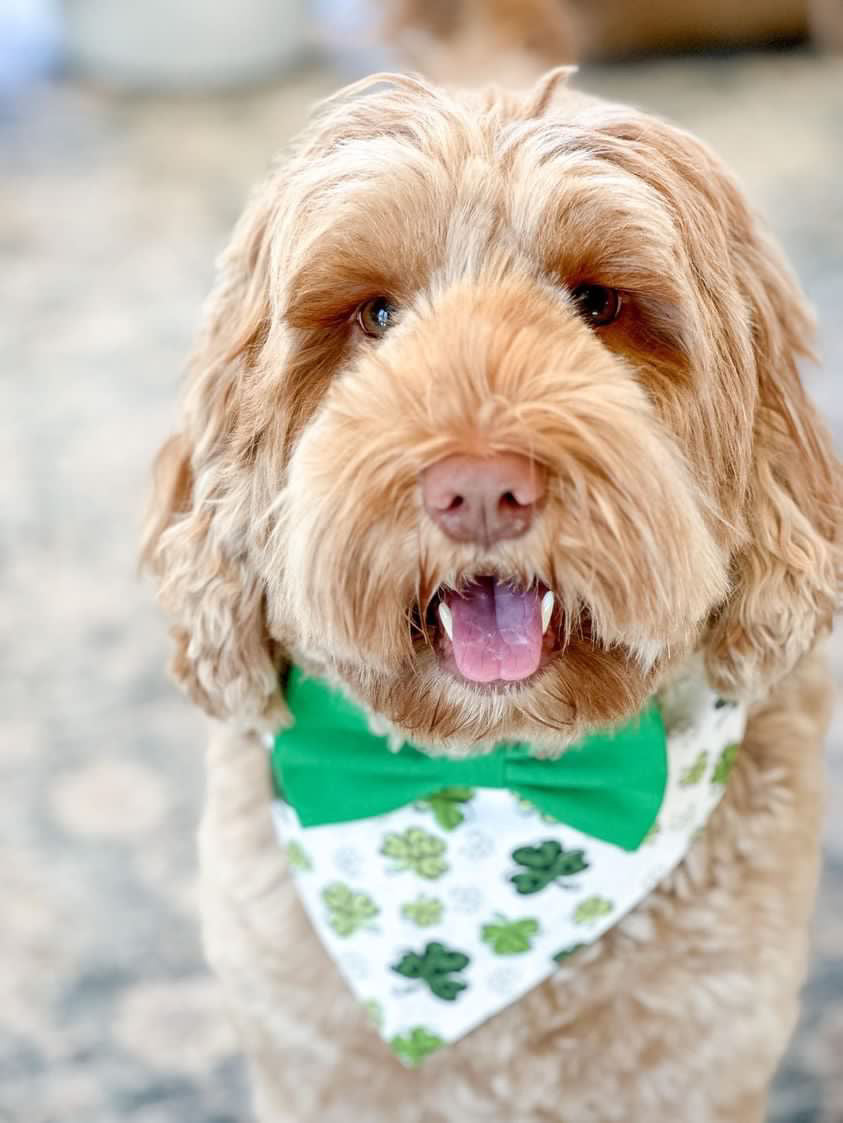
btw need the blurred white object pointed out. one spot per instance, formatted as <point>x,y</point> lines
<point>185,43</point>
<point>349,33</point>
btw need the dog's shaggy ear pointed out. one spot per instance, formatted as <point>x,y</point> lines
<point>201,530</point>
<point>749,426</point>
<point>787,575</point>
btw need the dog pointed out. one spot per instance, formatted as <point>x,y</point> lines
<point>495,435</point>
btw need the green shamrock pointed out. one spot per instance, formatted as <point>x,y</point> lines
<point>545,864</point>
<point>509,937</point>
<point>446,808</point>
<point>348,911</point>
<point>416,850</point>
<point>694,772</point>
<point>423,911</point>
<point>298,858</point>
<point>592,909</point>
<point>567,952</point>
<point>416,1046</point>
<point>724,766</point>
<point>433,967</point>
<point>374,1013</point>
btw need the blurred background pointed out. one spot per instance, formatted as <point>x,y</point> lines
<point>130,134</point>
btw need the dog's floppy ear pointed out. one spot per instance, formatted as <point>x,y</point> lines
<point>200,532</point>
<point>786,577</point>
<point>776,469</point>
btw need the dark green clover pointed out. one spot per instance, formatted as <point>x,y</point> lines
<point>567,952</point>
<point>545,864</point>
<point>433,967</point>
<point>448,806</point>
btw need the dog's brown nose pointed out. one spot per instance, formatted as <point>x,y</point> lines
<point>483,500</point>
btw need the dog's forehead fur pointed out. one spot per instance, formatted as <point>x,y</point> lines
<point>431,185</point>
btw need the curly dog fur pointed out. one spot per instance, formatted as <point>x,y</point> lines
<point>691,513</point>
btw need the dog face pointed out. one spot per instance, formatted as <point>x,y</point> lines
<point>495,416</point>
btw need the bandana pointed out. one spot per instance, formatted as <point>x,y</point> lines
<point>445,889</point>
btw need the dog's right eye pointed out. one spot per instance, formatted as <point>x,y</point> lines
<point>376,316</point>
<point>597,305</point>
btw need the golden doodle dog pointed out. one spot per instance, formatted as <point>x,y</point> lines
<point>494,433</point>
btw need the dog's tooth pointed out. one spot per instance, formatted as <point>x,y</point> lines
<point>548,601</point>
<point>447,619</point>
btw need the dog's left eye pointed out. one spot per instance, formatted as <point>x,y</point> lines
<point>596,304</point>
<point>376,316</point>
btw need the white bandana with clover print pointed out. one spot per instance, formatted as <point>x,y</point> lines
<point>442,913</point>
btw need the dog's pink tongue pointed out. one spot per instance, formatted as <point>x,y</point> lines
<point>497,631</point>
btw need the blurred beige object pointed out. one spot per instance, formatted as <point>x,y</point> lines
<point>827,23</point>
<point>467,40</point>
<point>618,26</point>
<point>183,44</point>
<point>470,40</point>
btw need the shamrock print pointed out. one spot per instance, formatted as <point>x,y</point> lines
<point>423,911</point>
<point>298,858</point>
<point>545,864</point>
<point>416,850</point>
<point>416,1045</point>
<point>448,806</point>
<point>724,766</point>
<point>477,846</point>
<point>348,861</point>
<point>433,967</point>
<point>592,909</point>
<point>348,911</point>
<point>694,772</point>
<point>567,952</point>
<point>509,937</point>
<point>466,898</point>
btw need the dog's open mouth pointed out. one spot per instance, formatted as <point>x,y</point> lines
<point>492,631</point>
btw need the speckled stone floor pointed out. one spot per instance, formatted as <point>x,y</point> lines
<point>111,210</point>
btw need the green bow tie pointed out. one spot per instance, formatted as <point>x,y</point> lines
<point>332,769</point>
